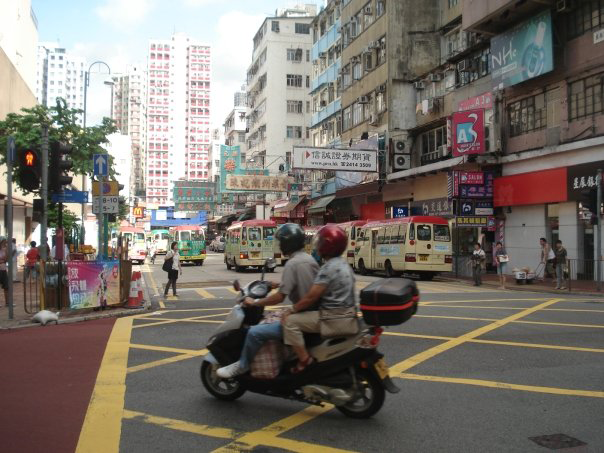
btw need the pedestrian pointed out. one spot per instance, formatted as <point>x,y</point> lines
<point>3,271</point>
<point>31,259</point>
<point>502,259</point>
<point>153,251</point>
<point>15,254</point>
<point>172,267</point>
<point>547,258</point>
<point>478,259</point>
<point>560,264</point>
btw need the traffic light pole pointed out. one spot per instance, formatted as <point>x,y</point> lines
<point>599,232</point>
<point>44,195</point>
<point>60,255</point>
<point>9,222</point>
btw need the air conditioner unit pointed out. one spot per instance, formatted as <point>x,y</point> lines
<point>381,88</point>
<point>400,146</point>
<point>367,10</point>
<point>363,99</point>
<point>374,119</point>
<point>434,77</point>
<point>355,59</point>
<point>418,85</point>
<point>374,44</point>
<point>401,162</point>
<point>563,6</point>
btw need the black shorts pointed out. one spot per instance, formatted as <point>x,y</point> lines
<point>172,275</point>
<point>4,279</point>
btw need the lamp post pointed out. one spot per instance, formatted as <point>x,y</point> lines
<point>86,85</point>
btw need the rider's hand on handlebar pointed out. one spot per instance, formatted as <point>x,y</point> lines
<point>275,285</point>
<point>248,301</point>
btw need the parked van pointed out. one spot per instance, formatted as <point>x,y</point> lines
<point>420,245</point>
<point>250,243</point>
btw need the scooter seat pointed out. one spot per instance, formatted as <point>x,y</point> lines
<point>312,339</point>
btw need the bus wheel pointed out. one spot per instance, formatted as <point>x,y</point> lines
<point>389,271</point>
<point>428,276</point>
<point>238,268</point>
<point>227,264</point>
<point>362,268</point>
<point>199,263</point>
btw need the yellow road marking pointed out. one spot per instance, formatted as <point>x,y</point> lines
<point>150,347</point>
<point>563,324</point>
<point>233,290</point>
<point>429,302</point>
<point>103,422</point>
<point>438,349</point>
<point>162,321</point>
<point>205,294</point>
<point>154,285</point>
<point>178,425</point>
<point>504,385</point>
<point>269,434</point>
<point>515,308</point>
<point>497,342</point>
<point>167,361</point>
<point>455,317</point>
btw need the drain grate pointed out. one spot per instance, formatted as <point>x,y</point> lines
<point>557,441</point>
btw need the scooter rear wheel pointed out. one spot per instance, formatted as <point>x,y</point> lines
<point>371,397</point>
<point>219,388</point>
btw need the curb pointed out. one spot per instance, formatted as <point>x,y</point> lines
<point>121,314</point>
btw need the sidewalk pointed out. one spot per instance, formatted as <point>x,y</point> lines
<point>23,319</point>
<point>585,288</point>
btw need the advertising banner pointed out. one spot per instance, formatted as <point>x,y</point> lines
<point>93,283</point>
<point>468,132</point>
<point>440,207</point>
<point>195,194</point>
<point>581,178</point>
<point>358,160</point>
<point>399,211</point>
<point>523,53</point>
<point>475,221</point>
<point>257,183</point>
<point>482,101</point>
<point>471,177</point>
<point>478,190</point>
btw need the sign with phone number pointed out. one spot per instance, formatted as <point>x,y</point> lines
<point>335,159</point>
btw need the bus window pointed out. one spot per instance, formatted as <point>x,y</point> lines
<point>184,235</point>
<point>140,237</point>
<point>165,236</point>
<point>269,233</point>
<point>254,233</point>
<point>353,233</point>
<point>128,237</point>
<point>441,233</point>
<point>380,235</point>
<point>197,235</point>
<point>424,233</point>
<point>412,232</point>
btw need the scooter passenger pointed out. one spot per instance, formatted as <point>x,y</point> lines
<point>333,289</point>
<point>298,277</point>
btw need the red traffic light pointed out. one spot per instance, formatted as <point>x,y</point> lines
<point>30,159</point>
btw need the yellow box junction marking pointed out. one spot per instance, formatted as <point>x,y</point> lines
<point>168,360</point>
<point>102,426</point>
<point>205,294</point>
<point>147,271</point>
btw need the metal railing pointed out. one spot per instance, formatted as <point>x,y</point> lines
<point>583,275</point>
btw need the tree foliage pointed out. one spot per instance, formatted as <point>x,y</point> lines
<point>26,127</point>
<point>70,220</point>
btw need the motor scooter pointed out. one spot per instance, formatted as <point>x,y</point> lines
<point>349,372</point>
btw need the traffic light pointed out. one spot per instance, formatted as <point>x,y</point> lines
<point>29,169</point>
<point>60,164</point>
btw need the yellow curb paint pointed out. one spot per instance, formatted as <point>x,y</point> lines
<point>102,425</point>
<point>205,294</point>
<point>154,285</point>
<point>167,361</point>
<point>443,347</point>
<point>504,385</point>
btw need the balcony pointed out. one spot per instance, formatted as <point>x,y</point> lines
<point>326,112</point>
<point>329,75</point>
<point>326,41</point>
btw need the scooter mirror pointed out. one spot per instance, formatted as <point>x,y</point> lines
<point>236,285</point>
<point>271,263</point>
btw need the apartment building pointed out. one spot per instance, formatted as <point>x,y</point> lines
<point>59,74</point>
<point>278,85</point>
<point>326,53</point>
<point>130,116</point>
<point>178,115</point>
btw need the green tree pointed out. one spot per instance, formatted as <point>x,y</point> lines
<point>70,220</point>
<point>26,127</point>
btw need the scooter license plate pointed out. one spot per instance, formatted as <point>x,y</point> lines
<point>381,368</point>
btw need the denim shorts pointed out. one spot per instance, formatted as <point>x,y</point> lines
<point>501,268</point>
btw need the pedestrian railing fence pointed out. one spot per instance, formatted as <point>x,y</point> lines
<point>583,275</point>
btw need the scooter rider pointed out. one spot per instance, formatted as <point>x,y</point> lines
<point>298,276</point>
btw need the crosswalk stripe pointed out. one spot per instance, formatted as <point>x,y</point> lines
<point>205,294</point>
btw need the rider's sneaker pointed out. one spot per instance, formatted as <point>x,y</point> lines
<point>230,371</point>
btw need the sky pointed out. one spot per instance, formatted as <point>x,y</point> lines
<point>117,32</point>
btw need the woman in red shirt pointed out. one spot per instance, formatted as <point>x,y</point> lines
<point>31,258</point>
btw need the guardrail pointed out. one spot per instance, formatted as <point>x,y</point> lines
<point>583,275</point>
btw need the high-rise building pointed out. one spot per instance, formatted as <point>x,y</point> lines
<point>130,116</point>
<point>59,75</point>
<point>278,85</point>
<point>178,116</point>
<point>240,97</point>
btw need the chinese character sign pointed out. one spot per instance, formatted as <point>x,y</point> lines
<point>358,160</point>
<point>468,132</point>
<point>93,283</point>
<point>257,183</point>
<point>230,164</point>
<point>581,178</point>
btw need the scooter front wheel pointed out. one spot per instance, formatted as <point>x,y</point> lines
<point>370,396</point>
<point>219,388</point>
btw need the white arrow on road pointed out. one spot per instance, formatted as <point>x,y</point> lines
<point>100,161</point>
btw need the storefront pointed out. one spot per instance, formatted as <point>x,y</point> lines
<point>319,213</point>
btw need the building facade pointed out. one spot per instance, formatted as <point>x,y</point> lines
<point>278,85</point>
<point>59,74</point>
<point>130,116</point>
<point>178,116</point>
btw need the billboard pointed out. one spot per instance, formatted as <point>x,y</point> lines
<point>523,53</point>
<point>257,183</point>
<point>357,160</point>
<point>468,132</point>
<point>93,283</point>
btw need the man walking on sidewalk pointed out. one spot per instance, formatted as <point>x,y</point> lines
<point>547,258</point>
<point>560,264</point>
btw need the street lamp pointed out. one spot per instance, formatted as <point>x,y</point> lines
<point>86,85</point>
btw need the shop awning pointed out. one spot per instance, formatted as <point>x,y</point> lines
<point>280,204</point>
<point>290,206</point>
<point>321,205</point>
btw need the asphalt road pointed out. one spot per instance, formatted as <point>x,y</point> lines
<point>480,370</point>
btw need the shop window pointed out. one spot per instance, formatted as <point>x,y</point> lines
<point>585,15</point>
<point>586,96</point>
<point>527,115</point>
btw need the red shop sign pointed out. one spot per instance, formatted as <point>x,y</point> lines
<point>468,132</point>
<point>482,101</point>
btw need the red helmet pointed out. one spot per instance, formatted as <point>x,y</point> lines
<point>331,241</point>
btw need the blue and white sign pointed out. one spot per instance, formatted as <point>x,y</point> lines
<point>399,211</point>
<point>100,163</point>
<point>466,207</point>
<point>70,196</point>
<point>389,250</point>
<point>483,208</point>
